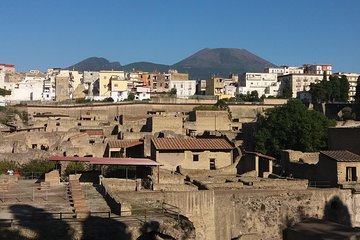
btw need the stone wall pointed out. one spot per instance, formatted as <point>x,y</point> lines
<point>266,214</point>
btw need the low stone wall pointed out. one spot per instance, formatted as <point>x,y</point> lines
<point>174,187</point>
<point>290,184</point>
<point>116,184</point>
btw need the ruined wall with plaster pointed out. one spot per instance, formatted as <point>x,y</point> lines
<point>265,214</point>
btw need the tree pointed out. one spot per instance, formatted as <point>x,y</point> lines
<point>287,91</point>
<point>357,93</point>
<point>291,126</point>
<point>131,96</point>
<point>336,89</point>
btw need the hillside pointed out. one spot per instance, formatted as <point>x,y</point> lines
<point>221,61</point>
<point>146,66</point>
<point>95,64</point>
<point>201,65</point>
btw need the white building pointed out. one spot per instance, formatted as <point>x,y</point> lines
<point>7,68</point>
<point>283,70</point>
<point>50,84</point>
<point>30,89</point>
<point>264,83</point>
<point>318,69</point>
<point>142,93</point>
<point>230,90</point>
<point>184,88</point>
<point>298,82</point>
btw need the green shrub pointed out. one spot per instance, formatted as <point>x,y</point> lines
<point>36,167</point>
<point>6,165</point>
<point>74,167</point>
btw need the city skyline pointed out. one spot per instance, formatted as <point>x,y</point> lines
<point>45,34</point>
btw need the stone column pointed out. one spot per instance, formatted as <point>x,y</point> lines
<point>257,165</point>
<point>270,166</point>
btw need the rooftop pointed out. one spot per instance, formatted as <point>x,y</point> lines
<point>342,156</point>
<point>123,143</point>
<point>192,144</point>
<point>108,161</point>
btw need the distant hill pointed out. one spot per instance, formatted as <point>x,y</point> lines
<point>95,64</point>
<point>146,67</point>
<point>222,62</point>
<point>201,65</point>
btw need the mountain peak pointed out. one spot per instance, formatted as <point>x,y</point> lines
<point>221,61</point>
<point>95,64</point>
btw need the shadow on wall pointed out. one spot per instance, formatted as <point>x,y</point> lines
<point>98,228</point>
<point>303,226</point>
<point>336,211</point>
<point>150,231</point>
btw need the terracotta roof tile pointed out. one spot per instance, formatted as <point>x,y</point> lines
<point>94,132</point>
<point>192,144</point>
<point>124,143</point>
<point>342,156</point>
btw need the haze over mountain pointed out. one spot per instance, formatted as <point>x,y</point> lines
<point>201,65</point>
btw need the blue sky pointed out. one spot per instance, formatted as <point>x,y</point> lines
<point>41,34</point>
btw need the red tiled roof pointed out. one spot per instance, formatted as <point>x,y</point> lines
<point>192,144</point>
<point>108,161</point>
<point>94,132</point>
<point>123,143</point>
<point>342,156</point>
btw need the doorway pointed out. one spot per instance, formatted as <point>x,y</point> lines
<point>351,174</point>
<point>212,164</point>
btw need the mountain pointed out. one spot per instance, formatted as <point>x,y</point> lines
<point>95,64</point>
<point>201,65</point>
<point>146,67</point>
<point>222,62</point>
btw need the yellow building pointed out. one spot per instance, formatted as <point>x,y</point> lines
<point>105,82</point>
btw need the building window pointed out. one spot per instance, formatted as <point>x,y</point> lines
<point>115,85</point>
<point>58,124</point>
<point>195,157</point>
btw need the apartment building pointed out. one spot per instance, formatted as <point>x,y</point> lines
<point>264,83</point>
<point>184,88</point>
<point>298,82</point>
<point>318,69</point>
<point>283,70</point>
<point>112,83</point>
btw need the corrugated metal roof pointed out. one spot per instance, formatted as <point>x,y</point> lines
<point>342,156</point>
<point>108,161</point>
<point>123,143</point>
<point>192,144</point>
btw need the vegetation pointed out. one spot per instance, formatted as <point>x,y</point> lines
<point>336,89</point>
<point>74,167</point>
<point>7,114</point>
<point>82,100</point>
<point>109,99</point>
<point>357,100</point>
<point>220,105</point>
<point>173,92</point>
<point>347,114</point>
<point>287,91</point>
<point>131,96</point>
<point>6,165</point>
<point>4,92</point>
<point>35,168</point>
<point>38,166</point>
<point>249,97</point>
<point>291,126</point>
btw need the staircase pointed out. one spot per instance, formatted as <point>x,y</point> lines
<point>77,197</point>
<point>97,203</point>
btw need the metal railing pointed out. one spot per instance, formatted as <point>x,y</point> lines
<point>320,184</point>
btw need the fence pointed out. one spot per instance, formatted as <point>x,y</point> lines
<point>138,215</point>
<point>320,184</point>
